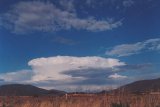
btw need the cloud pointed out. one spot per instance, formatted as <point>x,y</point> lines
<point>78,73</point>
<point>61,72</point>
<point>46,17</point>
<point>126,49</point>
<point>135,48</point>
<point>67,5</point>
<point>83,88</point>
<point>118,4</point>
<point>128,3</point>
<point>22,76</point>
<point>134,67</point>
<point>91,73</point>
<point>53,68</point>
<point>117,76</point>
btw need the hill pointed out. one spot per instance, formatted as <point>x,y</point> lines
<point>142,86</point>
<point>26,90</point>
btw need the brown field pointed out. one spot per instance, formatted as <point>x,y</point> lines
<point>85,100</point>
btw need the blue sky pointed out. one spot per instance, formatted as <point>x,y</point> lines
<point>71,44</point>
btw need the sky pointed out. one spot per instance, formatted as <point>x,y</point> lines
<point>79,45</point>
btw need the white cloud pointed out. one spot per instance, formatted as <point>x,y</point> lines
<point>53,68</point>
<point>52,72</point>
<point>126,49</point>
<point>44,16</point>
<point>117,76</point>
<point>81,88</point>
<point>153,44</point>
<point>18,76</point>
<point>135,48</point>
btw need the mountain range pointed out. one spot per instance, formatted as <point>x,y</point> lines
<point>141,86</point>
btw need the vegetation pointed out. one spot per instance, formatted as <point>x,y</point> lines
<point>85,100</point>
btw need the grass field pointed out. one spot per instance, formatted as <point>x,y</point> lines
<point>130,100</point>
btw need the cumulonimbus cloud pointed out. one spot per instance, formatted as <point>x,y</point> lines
<point>45,16</point>
<point>53,68</point>
<point>61,72</point>
<point>53,71</point>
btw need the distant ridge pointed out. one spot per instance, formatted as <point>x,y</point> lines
<point>142,86</point>
<point>137,87</point>
<point>27,90</point>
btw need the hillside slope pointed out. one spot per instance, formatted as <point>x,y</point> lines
<point>26,90</point>
<point>142,86</point>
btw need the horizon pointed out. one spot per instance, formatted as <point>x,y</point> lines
<point>79,91</point>
<point>78,45</point>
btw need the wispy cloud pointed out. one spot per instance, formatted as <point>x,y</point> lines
<point>135,48</point>
<point>67,5</point>
<point>128,3</point>
<point>113,3</point>
<point>117,76</point>
<point>45,16</point>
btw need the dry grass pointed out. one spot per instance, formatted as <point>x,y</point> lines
<point>129,100</point>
